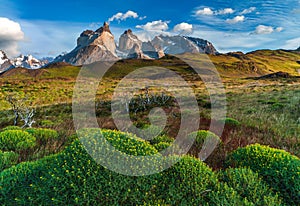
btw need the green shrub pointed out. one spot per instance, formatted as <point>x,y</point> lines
<point>231,122</point>
<point>7,159</point>
<point>203,135</point>
<point>121,141</point>
<point>11,128</point>
<point>47,123</point>
<point>43,135</point>
<point>73,178</point>
<point>163,138</point>
<point>147,131</point>
<point>16,140</point>
<point>248,184</point>
<point>161,146</point>
<point>278,168</point>
<point>226,196</point>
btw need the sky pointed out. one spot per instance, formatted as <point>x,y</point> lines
<point>49,28</point>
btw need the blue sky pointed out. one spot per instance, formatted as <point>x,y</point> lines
<point>47,28</point>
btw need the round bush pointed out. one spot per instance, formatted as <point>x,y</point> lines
<point>248,184</point>
<point>16,140</point>
<point>7,159</point>
<point>231,122</point>
<point>121,141</point>
<point>203,135</point>
<point>11,128</point>
<point>43,135</point>
<point>73,178</point>
<point>278,168</point>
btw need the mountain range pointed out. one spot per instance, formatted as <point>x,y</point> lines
<point>100,45</point>
<point>25,61</point>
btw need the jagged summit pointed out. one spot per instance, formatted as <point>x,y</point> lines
<point>104,28</point>
<point>92,46</point>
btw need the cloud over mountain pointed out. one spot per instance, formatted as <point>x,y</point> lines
<point>262,29</point>
<point>156,26</point>
<point>10,35</point>
<point>183,28</point>
<point>123,16</point>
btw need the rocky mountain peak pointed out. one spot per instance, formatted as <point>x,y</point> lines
<point>128,40</point>
<point>104,28</point>
<point>129,32</point>
<point>92,46</point>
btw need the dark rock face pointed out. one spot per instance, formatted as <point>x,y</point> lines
<point>238,55</point>
<point>5,62</point>
<point>104,28</point>
<point>276,75</point>
<point>204,46</point>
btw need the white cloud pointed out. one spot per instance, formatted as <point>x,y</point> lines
<point>279,29</point>
<point>225,11</point>
<point>248,11</point>
<point>183,28</point>
<point>236,19</point>
<point>10,36</point>
<point>292,43</point>
<point>262,29</point>
<point>157,26</point>
<point>142,17</point>
<point>204,11</point>
<point>123,16</point>
<point>209,12</point>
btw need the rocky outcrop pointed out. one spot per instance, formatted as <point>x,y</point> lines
<point>92,46</point>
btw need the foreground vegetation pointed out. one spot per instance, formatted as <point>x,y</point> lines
<point>47,165</point>
<point>72,177</point>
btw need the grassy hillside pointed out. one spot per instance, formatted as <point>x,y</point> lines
<point>257,62</point>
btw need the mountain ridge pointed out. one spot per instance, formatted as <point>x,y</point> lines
<point>100,45</point>
<point>25,61</point>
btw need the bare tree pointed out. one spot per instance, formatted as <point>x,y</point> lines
<point>21,108</point>
<point>26,115</point>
